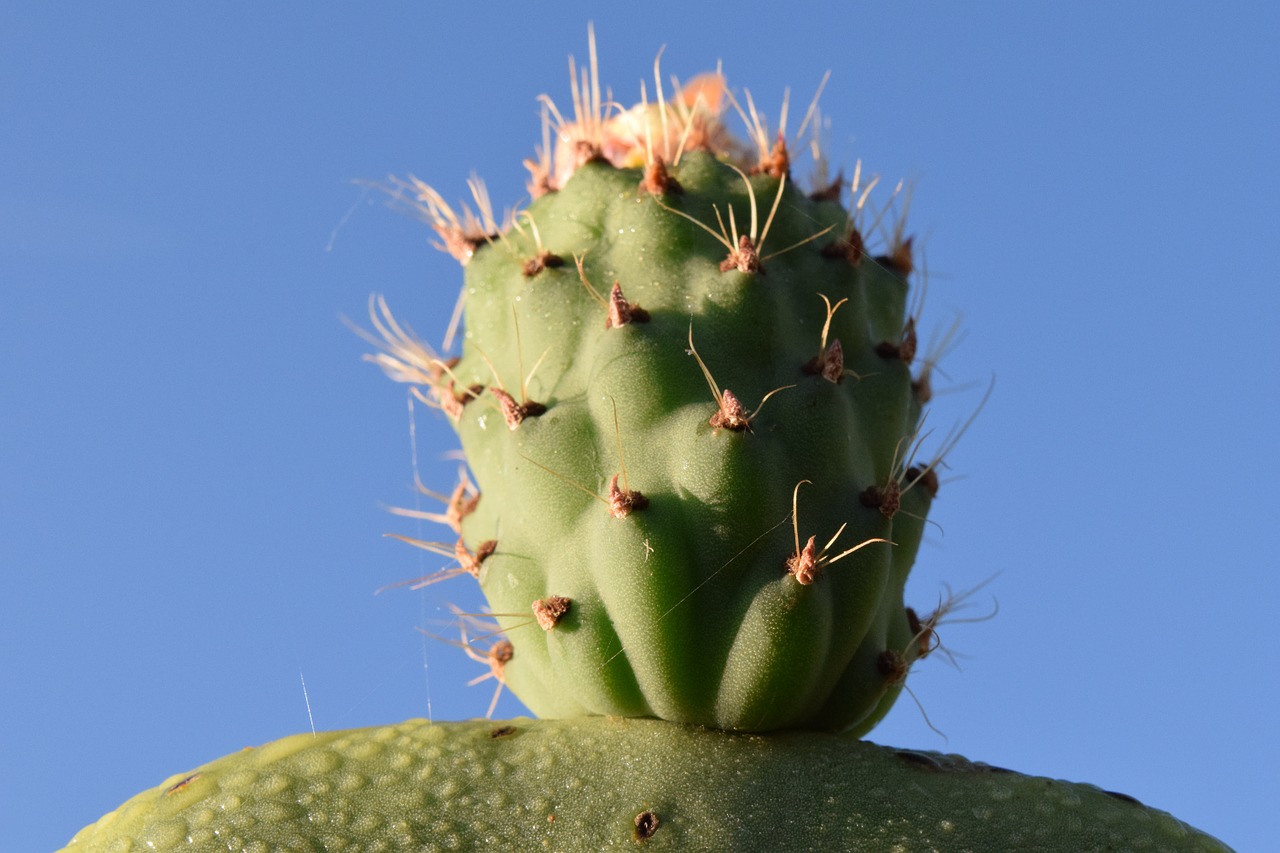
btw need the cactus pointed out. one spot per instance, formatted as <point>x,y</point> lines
<point>691,400</point>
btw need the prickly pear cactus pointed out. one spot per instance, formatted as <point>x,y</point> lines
<point>691,399</point>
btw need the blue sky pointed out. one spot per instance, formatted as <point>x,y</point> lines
<point>195,462</point>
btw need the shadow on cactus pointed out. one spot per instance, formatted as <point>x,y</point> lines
<point>690,396</point>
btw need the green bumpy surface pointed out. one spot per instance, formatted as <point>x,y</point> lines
<point>600,783</point>
<point>685,610</point>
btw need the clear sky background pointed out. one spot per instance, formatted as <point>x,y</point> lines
<point>195,462</point>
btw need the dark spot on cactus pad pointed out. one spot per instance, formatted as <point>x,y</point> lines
<point>919,759</point>
<point>514,413</point>
<point>502,731</point>
<point>550,610</point>
<point>622,501</point>
<point>180,784</point>
<point>658,181</point>
<point>925,637</point>
<point>913,621</point>
<point>922,386</point>
<point>886,499</point>
<point>776,163</point>
<point>850,248</point>
<point>646,825</point>
<point>892,665</point>
<point>899,259</point>
<point>622,312</point>
<point>539,262</point>
<point>744,258</point>
<point>927,477</point>
<point>1124,798</point>
<point>830,192</point>
<point>904,348</point>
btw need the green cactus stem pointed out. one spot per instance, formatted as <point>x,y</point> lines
<point>692,405</point>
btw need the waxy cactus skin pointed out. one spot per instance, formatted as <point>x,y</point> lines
<point>686,395</point>
<point>608,783</point>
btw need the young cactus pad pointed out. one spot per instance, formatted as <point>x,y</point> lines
<point>691,401</point>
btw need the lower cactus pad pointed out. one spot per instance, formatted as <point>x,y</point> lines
<point>600,783</point>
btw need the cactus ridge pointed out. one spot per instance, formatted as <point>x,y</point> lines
<point>636,495</point>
